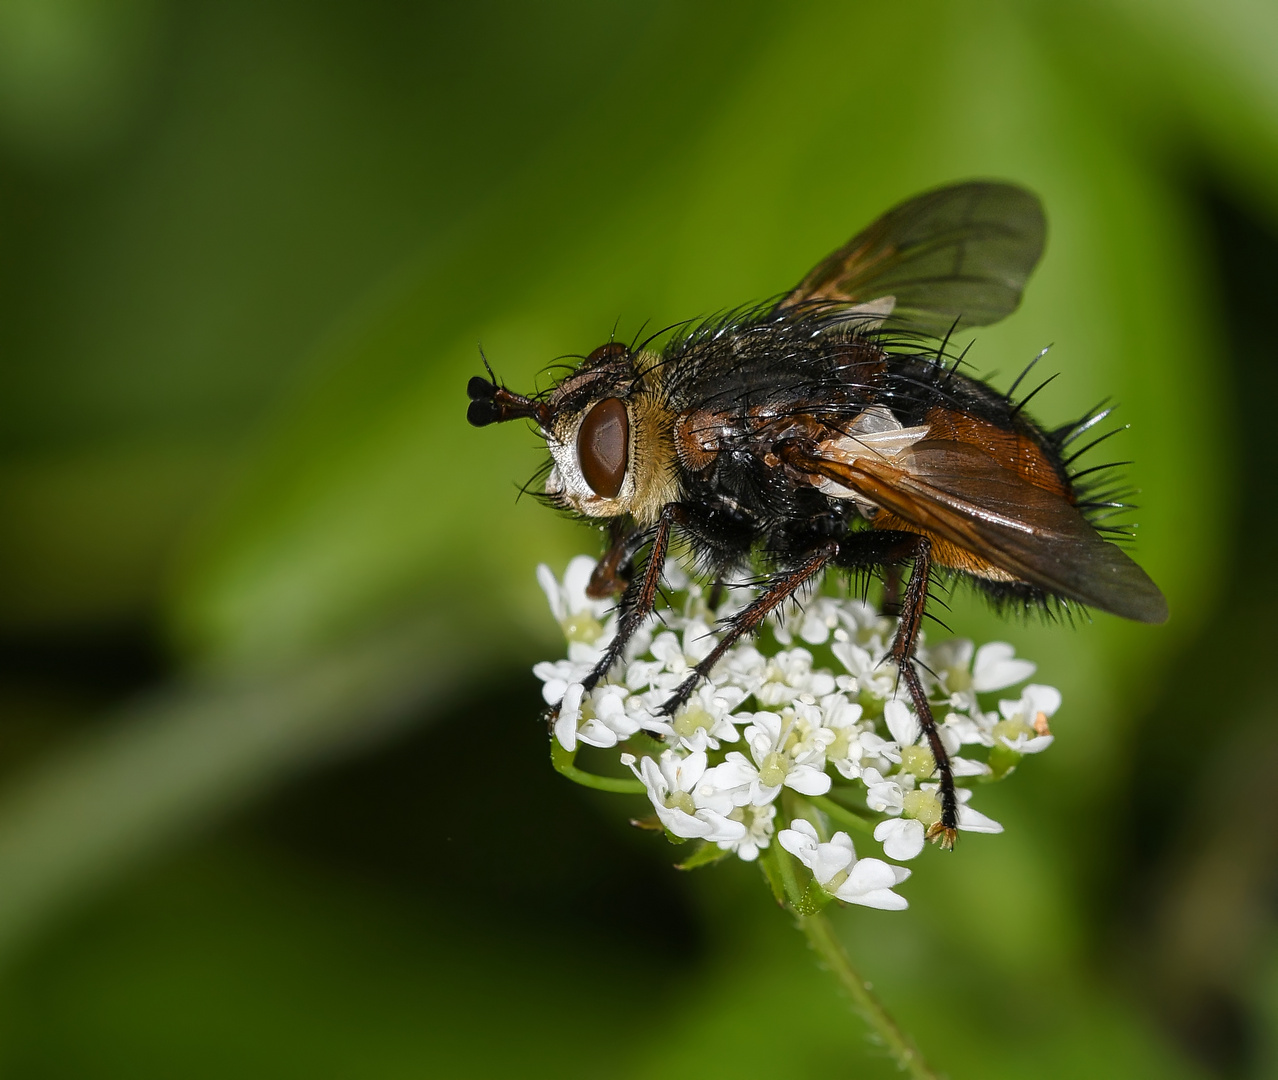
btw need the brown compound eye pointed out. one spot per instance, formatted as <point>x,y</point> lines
<point>603,447</point>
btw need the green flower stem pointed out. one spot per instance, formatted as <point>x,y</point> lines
<point>841,815</point>
<point>563,761</point>
<point>822,938</point>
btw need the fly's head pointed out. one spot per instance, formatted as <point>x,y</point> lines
<point>605,432</point>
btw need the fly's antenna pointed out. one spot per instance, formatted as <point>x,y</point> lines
<point>492,403</point>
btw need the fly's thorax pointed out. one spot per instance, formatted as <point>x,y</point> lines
<point>612,445</point>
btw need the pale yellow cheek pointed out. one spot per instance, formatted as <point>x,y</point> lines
<point>652,463</point>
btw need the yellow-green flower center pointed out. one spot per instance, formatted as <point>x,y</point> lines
<point>692,718</point>
<point>923,805</point>
<point>582,626</point>
<point>838,749</point>
<point>917,760</point>
<point>1012,729</point>
<point>681,800</point>
<point>773,770</point>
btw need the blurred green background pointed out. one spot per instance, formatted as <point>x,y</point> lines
<point>274,797</point>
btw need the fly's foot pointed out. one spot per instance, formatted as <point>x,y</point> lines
<point>943,834</point>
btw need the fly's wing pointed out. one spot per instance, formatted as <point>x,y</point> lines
<point>961,252</point>
<point>956,491</point>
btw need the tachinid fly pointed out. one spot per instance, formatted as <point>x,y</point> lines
<point>828,429</point>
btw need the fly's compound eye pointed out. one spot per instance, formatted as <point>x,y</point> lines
<point>603,447</point>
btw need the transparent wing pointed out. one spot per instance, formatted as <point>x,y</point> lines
<point>962,252</point>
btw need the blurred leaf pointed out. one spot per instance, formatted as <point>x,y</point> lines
<point>1202,72</point>
<point>72,71</point>
<point>86,540</point>
<point>230,963</point>
<point>88,815</point>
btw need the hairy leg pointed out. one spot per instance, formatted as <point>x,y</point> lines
<point>636,604</point>
<point>913,608</point>
<point>889,549</point>
<point>779,589</point>
<point>616,569</point>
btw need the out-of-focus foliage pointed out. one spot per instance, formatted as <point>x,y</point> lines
<point>248,253</point>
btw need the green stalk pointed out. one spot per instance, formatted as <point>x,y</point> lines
<point>563,761</point>
<point>822,938</point>
<point>841,815</point>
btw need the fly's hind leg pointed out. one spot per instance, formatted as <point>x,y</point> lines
<point>892,548</point>
<point>891,604</point>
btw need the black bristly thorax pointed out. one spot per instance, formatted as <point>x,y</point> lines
<point>765,380</point>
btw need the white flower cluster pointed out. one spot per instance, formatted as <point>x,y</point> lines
<point>832,738</point>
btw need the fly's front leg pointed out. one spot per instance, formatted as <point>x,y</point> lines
<point>613,573</point>
<point>636,604</point>
<point>779,589</point>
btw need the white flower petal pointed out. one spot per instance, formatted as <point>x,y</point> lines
<point>970,820</point>
<point>1037,744</point>
<point>566,732</point>
<point>870,885</point>
<point>902,723</point>
<point>698,642</point>
<point>902,838</point>
<point>800,840</point>
<point>1042,699</point>
<point>807,780</point>
<point>997,668</point>
<point>954,653</point>
<point>554,596</point>
<point>576,578</point>
<point>827,860</point>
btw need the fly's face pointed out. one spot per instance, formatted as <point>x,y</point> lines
<point>606,435</point>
